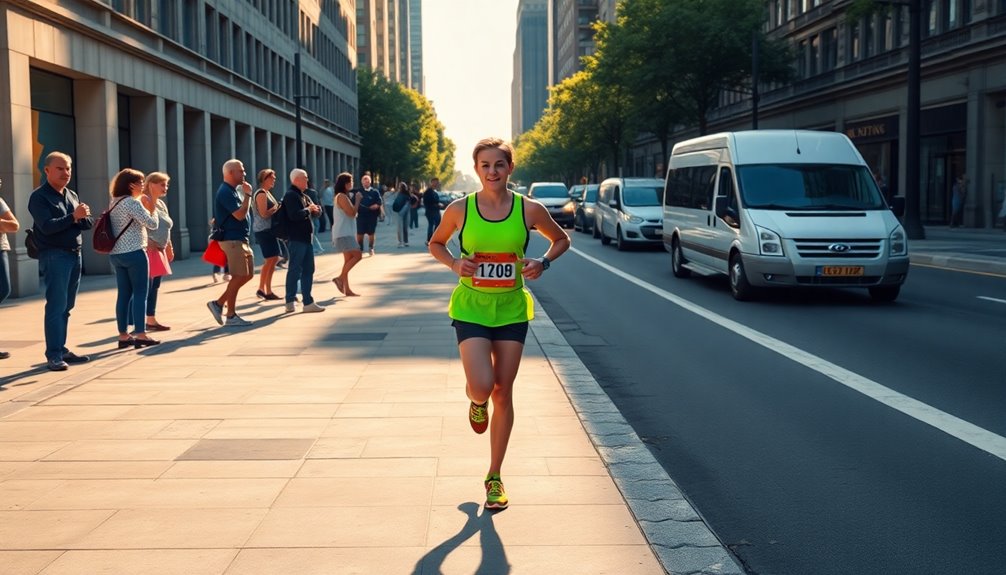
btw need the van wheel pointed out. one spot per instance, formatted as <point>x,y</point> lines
<point>605,240</point>
<point>739,286</point>
<point>678,260</point>
<point>885,294</point>
<point>620,242</point>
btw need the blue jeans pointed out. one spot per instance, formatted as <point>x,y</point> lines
<point>4,277</point>
<point>432,221</point>
<point>300,268</point>
<point>155,284</point>
<point>60,270</point>
<point>131,278</point>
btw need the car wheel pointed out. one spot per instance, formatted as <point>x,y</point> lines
<point>577,223</point>
<point>595,230</point>
<point>620,242</point>
<point>605,240</point>
<point>678,260</point>
<point>885,294</point>
<point>739,286</point>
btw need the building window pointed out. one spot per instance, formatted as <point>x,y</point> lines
<point>52,124</point>
<point>801,59</point>
<point>854,47</point>
<point>870,37</point>
<point>815,53</point>
<point>829,49</point>
<point>125,138</point>
<point>190,24</point>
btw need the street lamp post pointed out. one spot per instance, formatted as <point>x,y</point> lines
<point>297,97</point>
<point>913,155</point>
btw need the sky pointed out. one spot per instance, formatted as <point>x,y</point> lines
<point>468,64</point>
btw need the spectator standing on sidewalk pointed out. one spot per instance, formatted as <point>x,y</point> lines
<point>266,207</point>
<point>58,218</point>
<point>431,207</point>
<point>960,193</point>
<point>327,203</point>
<point>130,222</point>
<point>300,211</point>
<point>414,202</point>
<point>230,210</point>
<point>8,223</point>
<point>343,226</point>
<point>490,306</point>
<point>370,211</point>
<point>401,208</point>
<point>160,251</point>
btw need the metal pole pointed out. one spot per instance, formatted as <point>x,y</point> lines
<point>913,155</point>
<point>296,102</point>
<point>754,79</point>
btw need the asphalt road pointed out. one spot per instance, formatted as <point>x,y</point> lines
<point>795,472</point>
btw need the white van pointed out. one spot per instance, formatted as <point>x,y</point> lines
<point>781,208</point>
<point>628,211</point>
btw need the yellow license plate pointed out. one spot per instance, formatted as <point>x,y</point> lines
<point>839,271</point>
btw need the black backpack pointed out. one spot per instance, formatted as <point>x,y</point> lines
<point>280,223</point>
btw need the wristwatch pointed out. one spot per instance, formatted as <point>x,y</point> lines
<point>545,262</point>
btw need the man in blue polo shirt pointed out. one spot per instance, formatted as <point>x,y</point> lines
<point>58,220</point>
<point>230,211</point>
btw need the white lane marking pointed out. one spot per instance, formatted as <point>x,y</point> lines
<point>995,299</point>
<point>967,432</point>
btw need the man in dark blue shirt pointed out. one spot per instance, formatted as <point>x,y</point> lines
<point>230,212</point>
<point>369,211</point>
<point>299,210</point>
<point>58,220</point>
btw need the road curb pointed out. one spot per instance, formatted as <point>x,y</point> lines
<point>959,262</point>
<point>676,532</point>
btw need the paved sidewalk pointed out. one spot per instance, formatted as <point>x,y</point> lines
<point>317,443</point>
<point>967,249</point>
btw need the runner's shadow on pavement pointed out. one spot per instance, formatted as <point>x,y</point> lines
<point>494,559</point>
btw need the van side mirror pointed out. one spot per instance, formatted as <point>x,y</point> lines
<point>613,204</point>
<point>898,205</point>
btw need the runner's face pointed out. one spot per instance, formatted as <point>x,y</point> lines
<point>493,169</point>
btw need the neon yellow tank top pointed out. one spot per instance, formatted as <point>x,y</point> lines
<point>496,295</point>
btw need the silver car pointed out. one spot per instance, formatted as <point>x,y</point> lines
<point>583,217</point>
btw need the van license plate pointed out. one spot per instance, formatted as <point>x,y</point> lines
<point>839,271</point>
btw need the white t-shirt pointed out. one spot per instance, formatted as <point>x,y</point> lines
<point>4,243</point>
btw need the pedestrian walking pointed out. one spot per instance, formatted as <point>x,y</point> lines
<point>327,205</point>
<point>58,218</point>
<point>490,307</point>
<point>370,211</point>
<point>266,207</point>
<point>431,207</point>
<point>230,211</point>
<point>130,221</point>
<point>414,202</point>
<point>160,250</point>
<point>343,226</point>
<point>401,209</point>
<point>8,223</point>
<point>960,193</point>
<point>300,211</point>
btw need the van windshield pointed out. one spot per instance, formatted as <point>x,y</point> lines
<point>808,187</point>
<point>642,195</point>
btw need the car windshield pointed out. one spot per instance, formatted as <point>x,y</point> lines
<point>808,187</point>
<point>642,195</point>
<point>591,195</point>
<point>556,191</point>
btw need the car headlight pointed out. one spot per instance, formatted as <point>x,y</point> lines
<point>899,247</point>
<point>569,207</point>
<point>769,242</point>
<point>632,219</point>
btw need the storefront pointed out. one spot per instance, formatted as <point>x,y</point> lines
<point>943,157</point>
<point>877,142</point>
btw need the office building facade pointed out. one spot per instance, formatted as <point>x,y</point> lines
<point>851,76</point>
<point>529,88</point>
<point>572,36</point>
<point>178,86</point>
<point>390,36</point>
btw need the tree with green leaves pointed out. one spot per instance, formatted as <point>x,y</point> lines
<point>402,138</point>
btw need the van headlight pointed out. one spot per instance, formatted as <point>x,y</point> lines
<point>769,242</point>
<point>899,247</point>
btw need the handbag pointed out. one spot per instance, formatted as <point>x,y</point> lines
<point>158,259</point>
<point>214,254</point>
<point>30,245</point>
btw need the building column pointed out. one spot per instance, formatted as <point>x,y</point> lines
<point>96,108</point>
<point>199,190</point>
<point>16,164</point>
<point>149,138</point>
<point>174,137</point>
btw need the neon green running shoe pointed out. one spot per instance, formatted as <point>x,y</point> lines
<point>478,416</point>
<point>495,494</point>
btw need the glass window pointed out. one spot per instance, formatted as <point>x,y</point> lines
<point>829,49</point>
<point>52,123</point>
<point>808,187</point>
<point>642,195</point>
<point>815,53</point>
<point>546,191</point>
<point>854,53</point>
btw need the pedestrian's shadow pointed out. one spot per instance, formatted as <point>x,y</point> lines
<point>494,560</point>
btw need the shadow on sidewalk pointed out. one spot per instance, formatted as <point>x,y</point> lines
<point>494,560</point>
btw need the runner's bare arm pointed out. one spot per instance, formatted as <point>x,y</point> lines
<point>451,221</point>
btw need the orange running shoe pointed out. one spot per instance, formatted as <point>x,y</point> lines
<point>478,416</point>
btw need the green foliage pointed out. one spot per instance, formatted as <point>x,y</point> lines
<point>402,137</point>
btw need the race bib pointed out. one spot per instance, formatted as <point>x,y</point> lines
<point>495,270</point>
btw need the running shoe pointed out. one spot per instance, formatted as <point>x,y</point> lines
<point>237,321</point>
<point>478,416</point>
<point>217,310</point>
<point>495,494</point>
<point>312,308</point>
